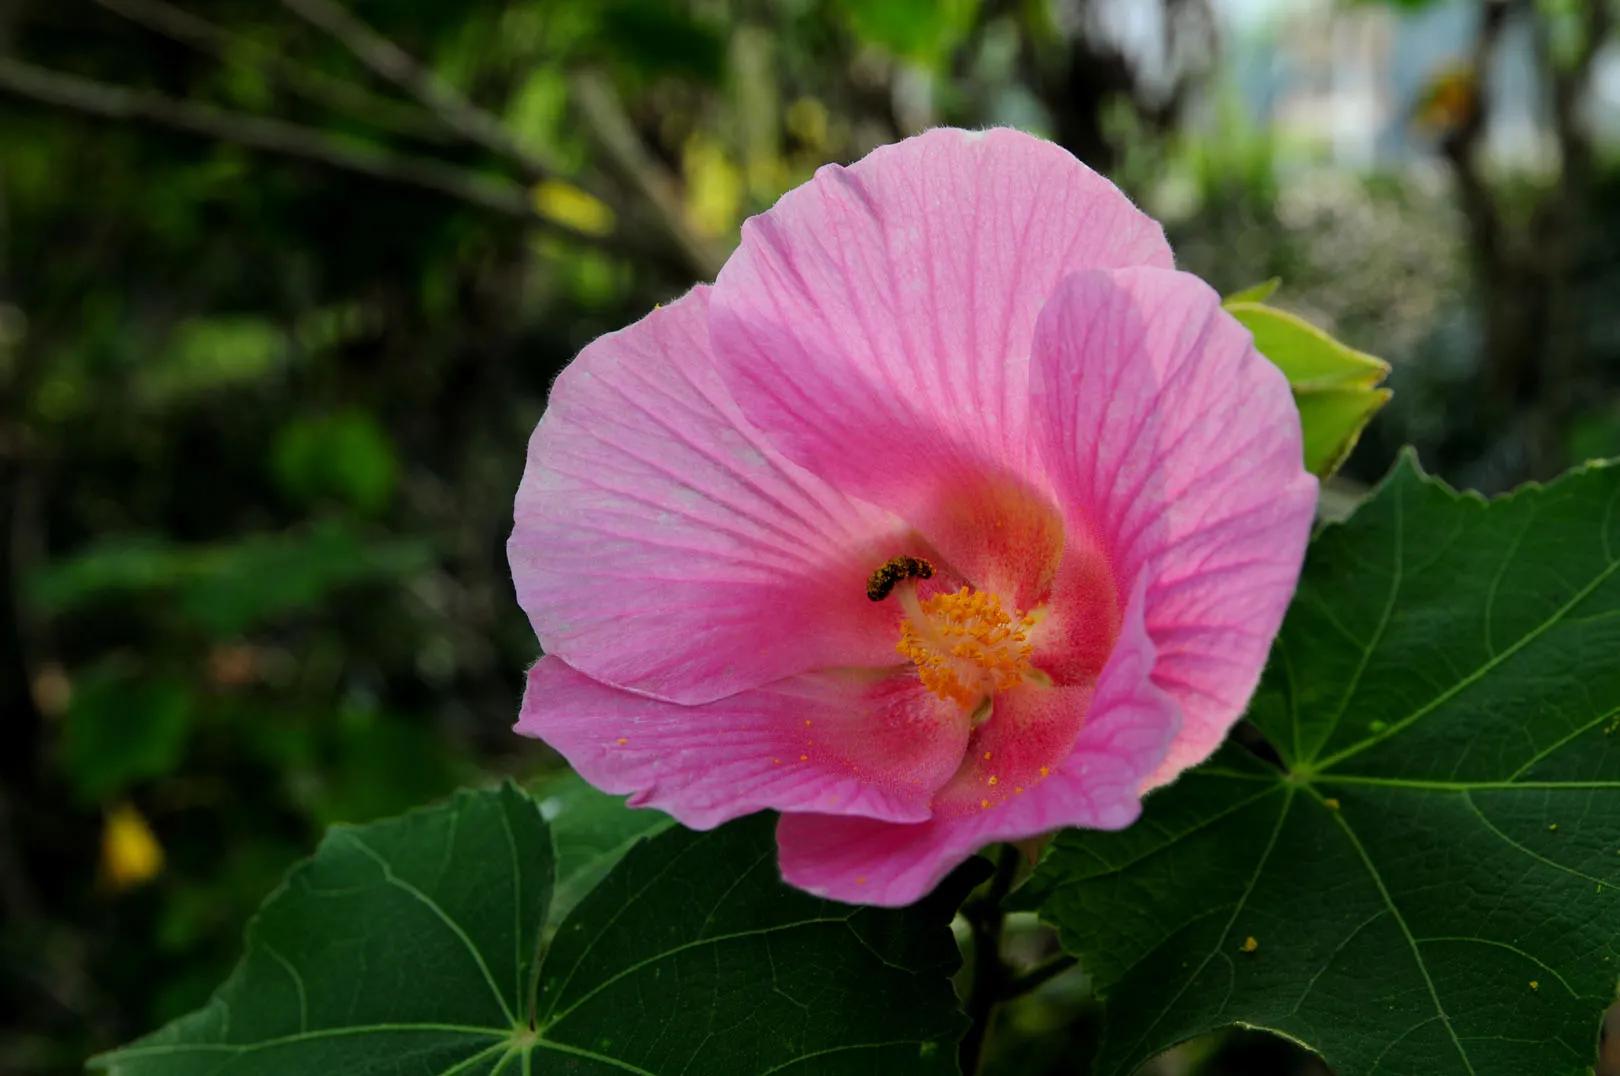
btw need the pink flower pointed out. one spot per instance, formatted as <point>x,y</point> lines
<point>960,374</point>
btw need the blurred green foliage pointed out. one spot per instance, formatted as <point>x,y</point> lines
<point>228,588</point>
<point>346,457</point>
<point>120,729</point>
<point>924,31</point>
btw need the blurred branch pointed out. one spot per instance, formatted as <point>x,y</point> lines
<point>339,94</point>
<point>1093,68</point>
<point>1461,144</point>
<point>1569,84</point>
<point>270,135</point>
<point>1526,274</point>
<point>1558,237</point>
<point>394,64</point>
<point>627,157</point>
<point>612,129</point>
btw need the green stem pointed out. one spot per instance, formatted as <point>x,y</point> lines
<point>984,916</point>
<point>1036,977</point>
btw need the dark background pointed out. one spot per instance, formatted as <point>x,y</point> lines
<point>283,284</point>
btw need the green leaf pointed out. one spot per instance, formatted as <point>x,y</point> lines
<point>1310,357</point>
<point>1332,420</point>
<point>404,946</point>
<point>1254,293</point>
<point>414,946</point>
<point>1429,879</point>
<point>1335,386</point>
<point>692,956</point>
<point>591,831</point>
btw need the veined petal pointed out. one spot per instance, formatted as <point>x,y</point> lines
<point>663,545</point>
<point>877,321</point>
<point>1124,727</point>
<point>855,743</point>
<point>1169,437</point>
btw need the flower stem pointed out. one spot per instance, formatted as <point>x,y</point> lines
<point>1036,977</point>
<point>984,916</point>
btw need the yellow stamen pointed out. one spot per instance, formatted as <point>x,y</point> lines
<point>965,645</point>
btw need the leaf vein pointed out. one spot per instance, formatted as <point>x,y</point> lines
<point>455,928</point>
<point>1237,910</point>
<point>1400,921</point>
<point>1474,677</point>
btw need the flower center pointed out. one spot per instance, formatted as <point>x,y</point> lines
<point>966,646</point>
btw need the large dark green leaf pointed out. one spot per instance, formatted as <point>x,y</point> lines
<point>405,946</point>
<point>1429,881</point>
<point>692,956</point>
<point>413,946</point>
<point>590,830</point>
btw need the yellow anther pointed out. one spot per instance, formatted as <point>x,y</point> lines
<point>965,645</point>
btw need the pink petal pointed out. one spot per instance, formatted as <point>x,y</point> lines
<point>661,544</point>
<point>877,321</point>
<point>1178,446</point>
<point>840,743</point>
<point>994,532</point>
<point>1083,612</point>
<point>1127,727</point>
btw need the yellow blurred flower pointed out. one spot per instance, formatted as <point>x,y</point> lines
<point>130,852</point>
<point>1448,101</point>
<point>714,187</point>
<point>806,120</point>
<point>565,204</point>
